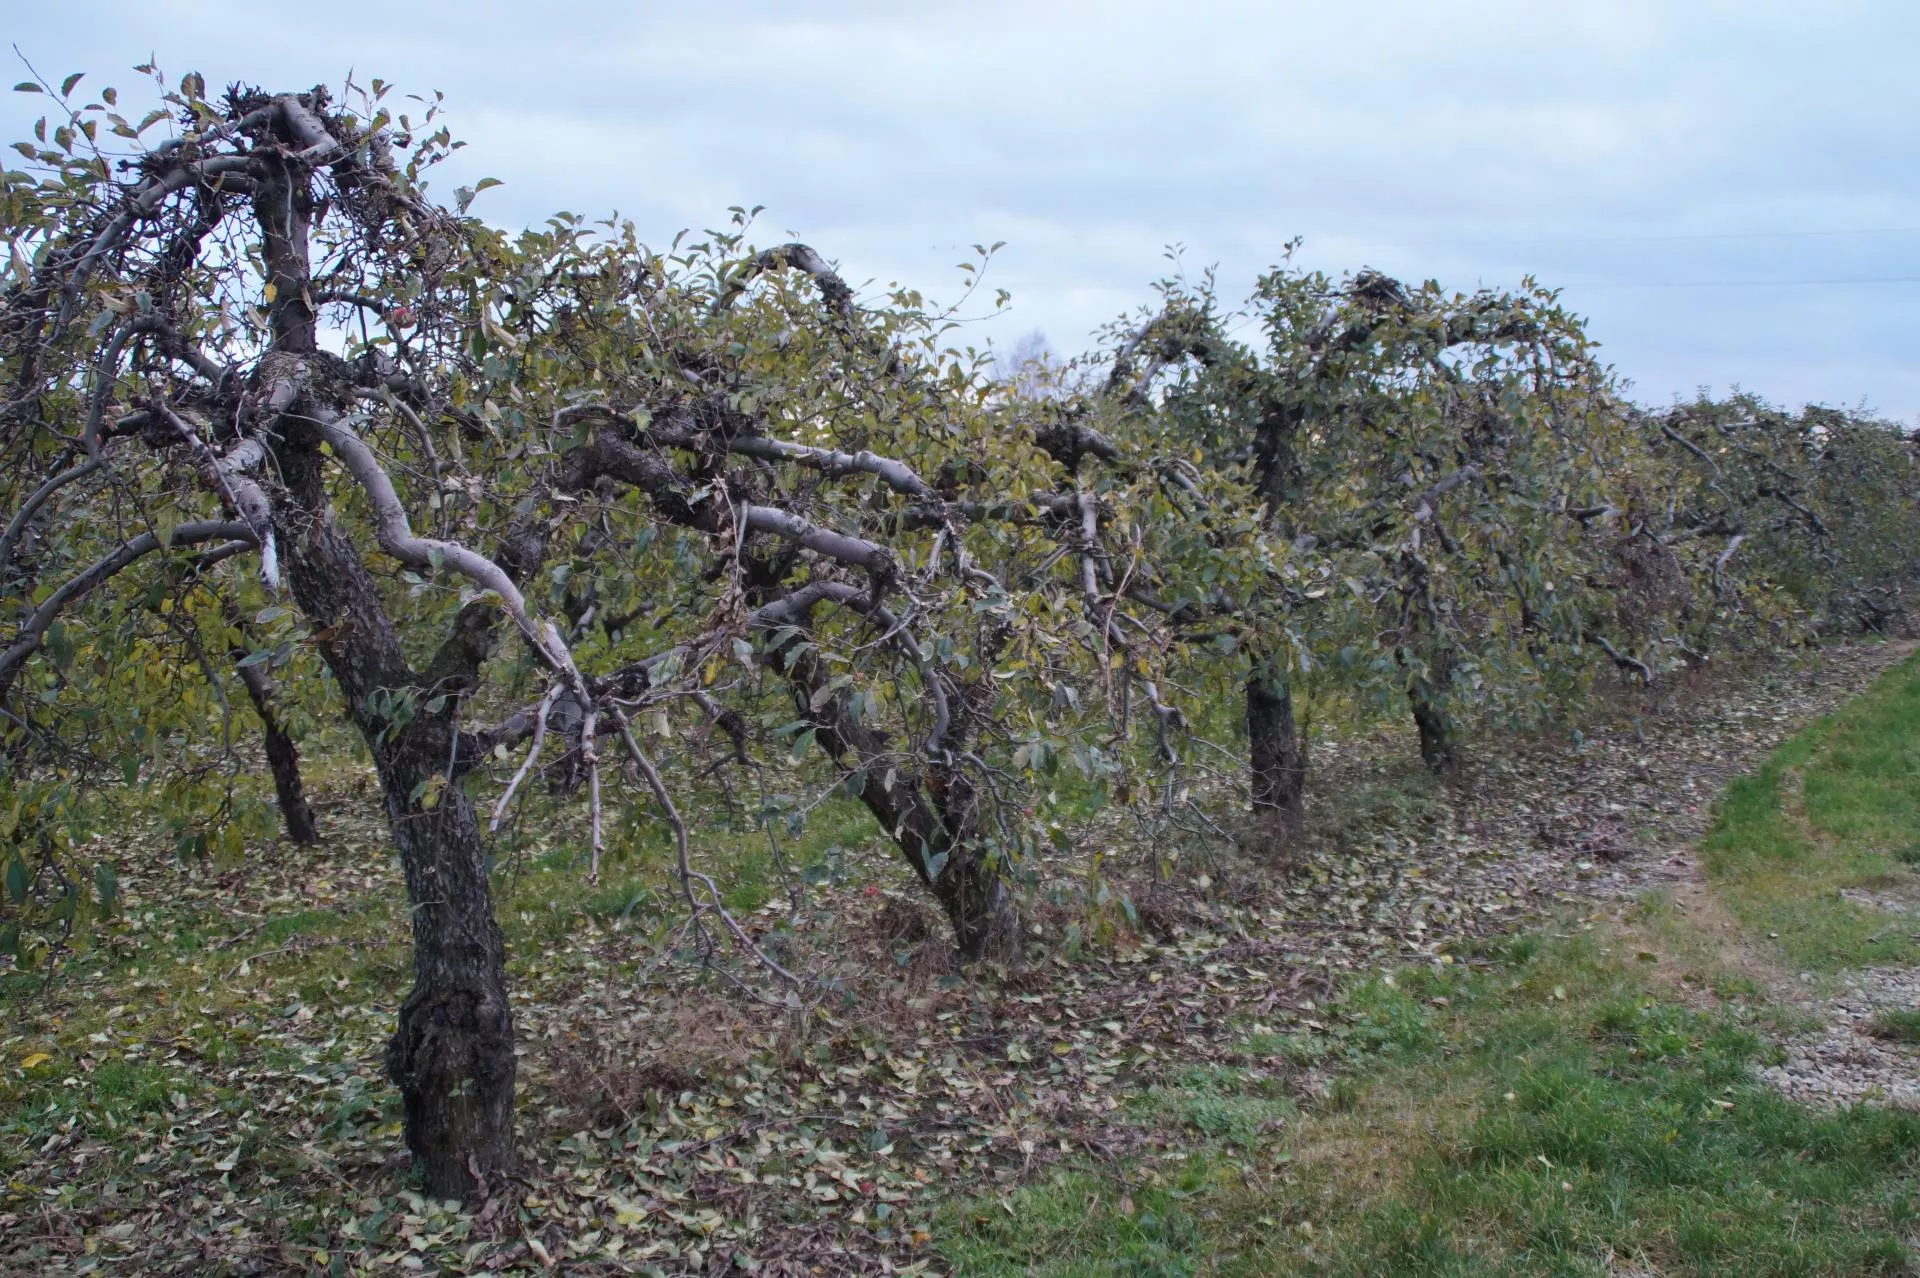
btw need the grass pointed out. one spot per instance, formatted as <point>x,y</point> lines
<point>1835,808</point>
<point>1558,1109</point>
<point>1222,1105</point>
<point>1895,1026</point>
<point>1579,1101</point>
<point>194,992</point>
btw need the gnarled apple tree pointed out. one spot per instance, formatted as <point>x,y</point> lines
<point>519,495</point>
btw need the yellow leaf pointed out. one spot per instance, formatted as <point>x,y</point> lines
<point>38,1058</point>
<point>272,292</point>
<point>626,1214</point>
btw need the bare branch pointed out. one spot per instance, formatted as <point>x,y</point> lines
<point>687,873</point>
<point>1621,659</point>
<point>833,463</point>
<point>397,539</point>
<point>798,257</point>
<point>227,476</point>
<point>143,202</point>
<point>533,756</point>
<point>796,608</point>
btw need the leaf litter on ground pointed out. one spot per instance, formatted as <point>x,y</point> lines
<point>202,1091</point>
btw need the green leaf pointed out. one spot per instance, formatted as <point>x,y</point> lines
<point>800,744</point>
<point>17,881</point>
<point>27,86</point>
<point>824,693</point>
<point>66,85</point>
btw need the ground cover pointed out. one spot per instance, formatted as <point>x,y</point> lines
<point>200,1090</point>
<point>1609,1095</point>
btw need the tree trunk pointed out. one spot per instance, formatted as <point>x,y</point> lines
<point>1277,762</point>
<point>985,919</point>
<point>452,1053</point>
<point>1427,695</point>
<point>935,824</point>
<point>932,818</point>
<point>282,757</point>
<point>945,836</point>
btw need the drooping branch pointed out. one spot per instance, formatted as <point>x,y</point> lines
<point>141,203</point>
<point>671,495</point>
<point>1691,447</point>
<point>1429,499</point>
<point>797,608</point>
<point>33,632</point>
<point>1724,558</point>
<point>688,875</point>
<point>1625,661</point>
<point>1814,522</point>
<point>106,367</point>
<point>799,257</point>
<point>533,755</point>
<point>397,538</point>
<point>17,526</point>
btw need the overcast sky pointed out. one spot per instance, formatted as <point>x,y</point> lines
<point>1728,190</point>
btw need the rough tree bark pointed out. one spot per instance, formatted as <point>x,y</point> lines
<point>934,816</point>
<point>1276,756</point>
<point>1277,760</point>
<point>1427,697</point>
<point>451,1054</point>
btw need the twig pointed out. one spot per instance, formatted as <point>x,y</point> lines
<point>533,755</point>
<point>687,873</point>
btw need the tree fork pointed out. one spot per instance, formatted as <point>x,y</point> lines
<point>451,1054</point>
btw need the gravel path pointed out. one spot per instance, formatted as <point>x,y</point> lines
<point>1843,1063</point>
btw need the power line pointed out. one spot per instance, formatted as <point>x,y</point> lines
<point>1673,239</point>
<point>1862,279</point>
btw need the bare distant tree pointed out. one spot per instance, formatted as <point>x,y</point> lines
<point>1030,368</point>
